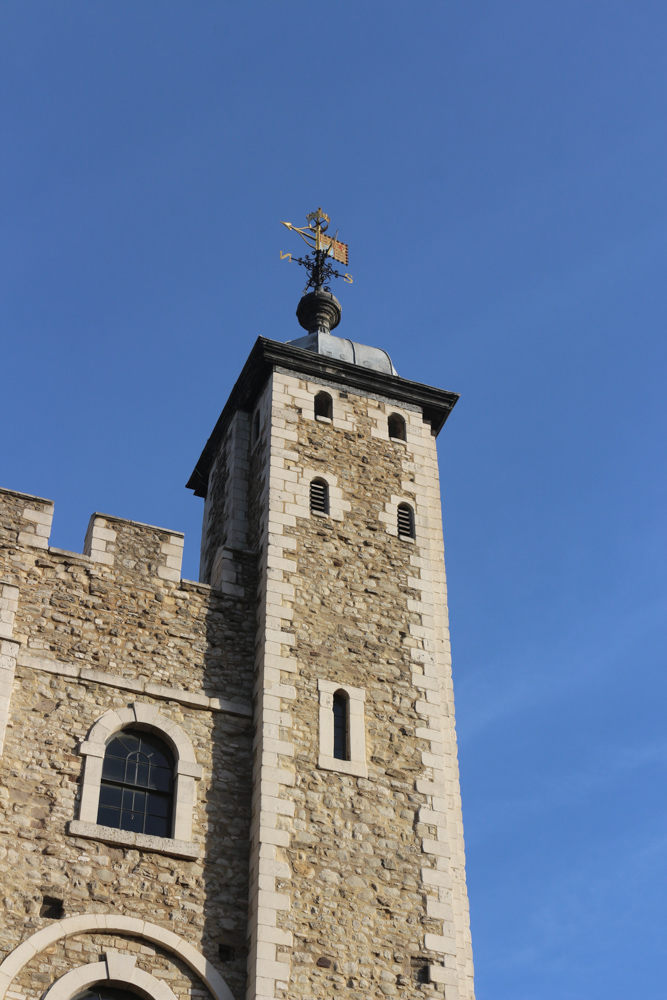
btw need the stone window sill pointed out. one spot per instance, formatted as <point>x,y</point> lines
<point>355,767</point>
<point>399,441</point>
<point>141,841</point>
<point>324,420</point>
<point>407,538</point>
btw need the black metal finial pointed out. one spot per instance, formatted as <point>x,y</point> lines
<point>319,310</point>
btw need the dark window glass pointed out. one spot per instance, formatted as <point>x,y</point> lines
<point>396,425</point>
<point>340,726</point>
<point>323,405</point>
<point>406,521</point>
<point>105,993</point>
<point>136,793</point>
<point>319,496</point>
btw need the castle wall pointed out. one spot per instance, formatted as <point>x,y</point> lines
<point>83,635</point>
<point>314,874</point>
<point>357,881</point>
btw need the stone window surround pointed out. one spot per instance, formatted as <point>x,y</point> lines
<point>389,517</point>
<point>148,718</point>
<point>96,923</point>
<point>338,507</point>
<point>116,968</point>
<point>356,697</point>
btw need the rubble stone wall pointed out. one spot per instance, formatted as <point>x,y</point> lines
<point>88,635</point>
<point>359,883</point>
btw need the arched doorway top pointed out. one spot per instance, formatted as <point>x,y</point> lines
<point>115,924</point>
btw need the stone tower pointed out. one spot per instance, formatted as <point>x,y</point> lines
<point>301,832</point>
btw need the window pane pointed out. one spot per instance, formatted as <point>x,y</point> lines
<point>132,821</point>
<point>108,817</point>
<point>110,795</point>
<point>340,727</point>
<point>157,826</point>
<point>116,749</point>
<point>158,805</point>
<point>141,775</point>
<point>158,759</point>
<point>129,740</point>
<point>160,778</point>
<point>113,769</point>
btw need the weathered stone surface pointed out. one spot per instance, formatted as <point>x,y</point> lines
<point>310,878</point>
<point>122,625</point>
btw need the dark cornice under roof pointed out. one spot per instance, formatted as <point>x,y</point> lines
<point>266,355</point>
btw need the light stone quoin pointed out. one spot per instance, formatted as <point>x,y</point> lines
<point>288,874</point>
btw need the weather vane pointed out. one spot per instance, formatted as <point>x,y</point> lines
<point>324,248</point>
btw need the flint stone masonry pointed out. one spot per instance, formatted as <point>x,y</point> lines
<point>288,873</point>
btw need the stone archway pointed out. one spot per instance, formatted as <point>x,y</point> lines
<point>101,922</point>
<point>116,968</point>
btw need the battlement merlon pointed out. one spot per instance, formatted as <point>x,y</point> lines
<point>25,521</point>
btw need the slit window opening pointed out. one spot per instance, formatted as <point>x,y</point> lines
<point>319,497</point>
<point>323,405</point>
<point>406,521</point>
<point>136,792</point>
<point>396,426</point>
<point>340,741</point>
<point>256,427</point>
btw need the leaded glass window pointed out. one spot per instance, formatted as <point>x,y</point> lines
<point>136,793</point>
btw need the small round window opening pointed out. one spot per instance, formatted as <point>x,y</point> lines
<point>323,406</point>
<point>396,427</point>
<point>406,521</point>
<point>319,497</point>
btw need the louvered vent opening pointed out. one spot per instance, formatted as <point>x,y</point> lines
<point>406,522</point>
<point>319,497</point>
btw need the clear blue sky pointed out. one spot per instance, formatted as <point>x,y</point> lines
<point>498,170</point>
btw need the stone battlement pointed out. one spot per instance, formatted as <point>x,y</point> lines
<point>25,521</point>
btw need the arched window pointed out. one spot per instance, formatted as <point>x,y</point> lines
<point>396,426</point>
<point>136,792</point>
<point>323,405</point>
<point>319,497</point>
<point>105,993</point>
<point>406,521</point>
<point>341,749</point>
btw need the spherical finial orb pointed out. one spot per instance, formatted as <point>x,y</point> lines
<point>319,311</point>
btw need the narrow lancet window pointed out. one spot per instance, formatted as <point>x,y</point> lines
<point>323,405</point>
<point>340,714</point>
<point>137,784</point>
<point>319,497</point>
<point>406,521</point>
<point>396,426</point>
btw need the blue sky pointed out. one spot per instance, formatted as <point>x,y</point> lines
<point>498,170</point>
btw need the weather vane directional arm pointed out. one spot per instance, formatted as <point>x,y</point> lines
<point>323,247</point>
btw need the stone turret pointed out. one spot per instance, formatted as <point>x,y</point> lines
<point>244,787</point>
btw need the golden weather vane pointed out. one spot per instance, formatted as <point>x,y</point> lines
<point>324,247</point>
